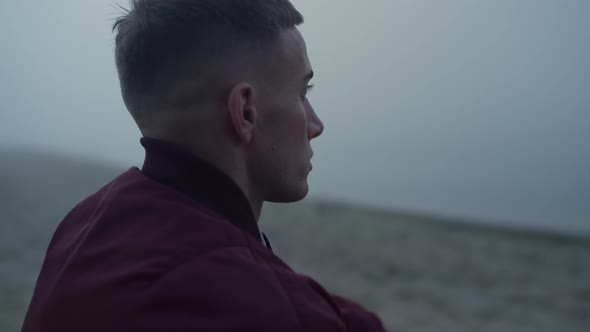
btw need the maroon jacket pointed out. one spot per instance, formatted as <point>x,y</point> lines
<point>175,247</point>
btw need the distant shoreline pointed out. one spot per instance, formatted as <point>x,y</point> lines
<point>24,154</point>
<point>501,227</point>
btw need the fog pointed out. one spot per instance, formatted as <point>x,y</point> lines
<point>473,110</point>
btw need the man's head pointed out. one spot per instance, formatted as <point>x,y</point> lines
<point>227,80</point>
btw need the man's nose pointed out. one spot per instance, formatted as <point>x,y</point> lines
<point>315,126</point>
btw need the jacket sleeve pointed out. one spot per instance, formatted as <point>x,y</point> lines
<point>228,291</point>
<point>357,318</point>
<point>219,291</point>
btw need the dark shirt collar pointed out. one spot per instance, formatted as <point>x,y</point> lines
<point>193,176</point>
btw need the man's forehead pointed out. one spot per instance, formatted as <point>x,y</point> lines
<point>294,49</point>
<point>293,39</point>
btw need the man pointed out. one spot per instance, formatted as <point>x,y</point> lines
<point>218,90</point>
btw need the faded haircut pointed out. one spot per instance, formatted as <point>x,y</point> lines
<point>160,42</point>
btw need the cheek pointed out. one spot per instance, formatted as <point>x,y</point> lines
<point>286,135</point>
<point>291,124</point>
<point>297,133</point>
<point>299,119</point>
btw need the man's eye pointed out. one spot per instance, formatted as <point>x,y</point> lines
<point>308,88</point>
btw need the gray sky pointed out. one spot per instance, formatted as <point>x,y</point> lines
<point>476,109</point>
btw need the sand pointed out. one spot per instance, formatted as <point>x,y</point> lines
<point>433,275</point>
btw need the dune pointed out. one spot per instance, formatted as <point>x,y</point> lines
<point>417,272</point>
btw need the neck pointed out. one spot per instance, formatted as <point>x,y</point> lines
<point>238,172</point>
<point>206,180</point>
<point>230,161</point>
<point>224,156</point>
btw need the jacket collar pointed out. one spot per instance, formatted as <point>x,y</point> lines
<point>172,166</point>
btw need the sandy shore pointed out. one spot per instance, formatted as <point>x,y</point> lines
<point>427,275</point>
<point>418,274</point>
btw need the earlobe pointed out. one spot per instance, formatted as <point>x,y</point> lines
<point>242,111</point>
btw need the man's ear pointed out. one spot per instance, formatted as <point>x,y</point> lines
<point>242,110</point>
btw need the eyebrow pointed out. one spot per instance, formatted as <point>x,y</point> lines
<point>309,76</point>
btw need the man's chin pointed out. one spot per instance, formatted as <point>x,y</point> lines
<point>291,195</point>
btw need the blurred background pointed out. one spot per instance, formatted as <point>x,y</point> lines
<point>455,154</point>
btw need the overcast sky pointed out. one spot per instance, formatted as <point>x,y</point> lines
<point>475,109</point>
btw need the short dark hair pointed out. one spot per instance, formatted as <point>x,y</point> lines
<point>154,35</point>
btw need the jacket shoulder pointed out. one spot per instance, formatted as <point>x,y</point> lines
<point>133,210</point>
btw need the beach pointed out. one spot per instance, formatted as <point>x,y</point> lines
<point>435,275</point>
<point>418,273</point>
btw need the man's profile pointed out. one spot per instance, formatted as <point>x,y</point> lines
<point>218,90</point>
